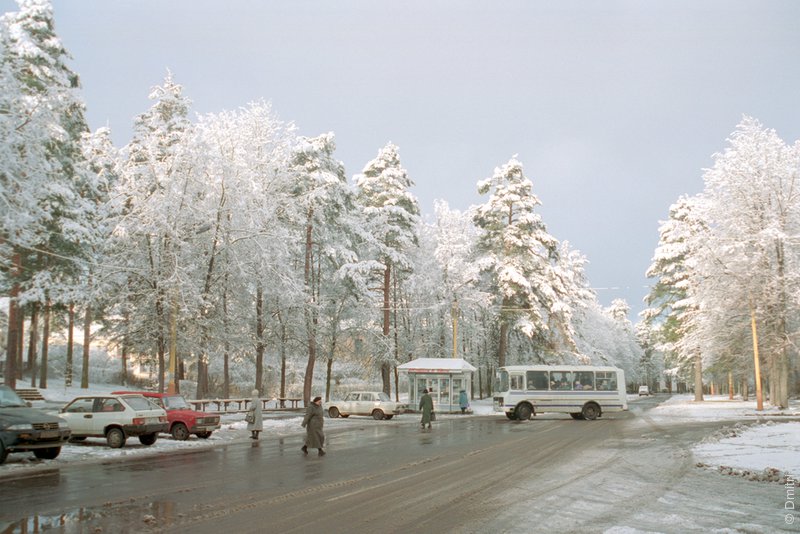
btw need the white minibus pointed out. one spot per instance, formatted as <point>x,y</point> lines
<point>584,392</point>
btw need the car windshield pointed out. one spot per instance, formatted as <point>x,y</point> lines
<point>140,403</point>
<point>9,398</point>
<point>176,402</point>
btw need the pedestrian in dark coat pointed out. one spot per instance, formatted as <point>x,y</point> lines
<point>313,422</point>
<point>426,407</point>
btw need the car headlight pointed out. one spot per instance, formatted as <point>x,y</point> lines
<point>62,425</point>
<point>21,426</point>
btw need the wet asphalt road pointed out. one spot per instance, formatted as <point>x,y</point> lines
<point>376,477</point>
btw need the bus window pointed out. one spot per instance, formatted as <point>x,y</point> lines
<point>501,382</point>
<point>606,380</point>
<point>517,383</point>
<point>561,380</point>
<point>584,380</point>
<point>537,380</point>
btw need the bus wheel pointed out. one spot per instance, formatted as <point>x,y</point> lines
<point>511,415</point>
<point>591,411</point>
<point>524,412</point>
<point>578,415</point>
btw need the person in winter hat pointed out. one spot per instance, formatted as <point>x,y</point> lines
<point>313,422</point>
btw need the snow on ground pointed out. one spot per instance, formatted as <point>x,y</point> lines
<point>758,442</point>
<point>771,441</point>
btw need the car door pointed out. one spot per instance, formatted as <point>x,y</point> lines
<point>365,403</point>
<point>107,410</point>
<point>79,415</point>
<point>350,404</point>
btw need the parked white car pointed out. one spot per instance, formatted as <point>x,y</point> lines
<point>644,390</point>
<point>116,418</point>
<point>374,403</point>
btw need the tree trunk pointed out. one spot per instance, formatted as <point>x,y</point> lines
<point>226,375</point>
<point>698,377</point>
<point>70,340</point>
<point>87,336</point>
<point>33,341</point>
<point>385,365</point>
<point>45,344</point>
<point>124,371</point>
<point>502,345</point>
<point>310,312</point>
<point>160,341</point>
<point>259,338</point>
<point>284,337</point>
<point>396,339</point>
<point>20,342</point>
<point>12,341</point>
<point>328,372</point>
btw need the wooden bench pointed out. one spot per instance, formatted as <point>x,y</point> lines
<point>29,394</point>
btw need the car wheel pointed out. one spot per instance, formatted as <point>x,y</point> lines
<point>148,439</point>
<point>180,432</point>
<point>377,415</point>
<point>389,417</point>
<point>524,411</point>
<point>577,415</point>
<point>333,412</point>
<point>204,435</point>
<point>115,438</point>
<point>47,454</point>
<point>591,411</point>
<point>3,453</point>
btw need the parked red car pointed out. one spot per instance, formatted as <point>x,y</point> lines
<point>183,419</point>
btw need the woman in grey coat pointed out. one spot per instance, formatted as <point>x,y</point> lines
<point>258,422</point>
<point>313,422</point>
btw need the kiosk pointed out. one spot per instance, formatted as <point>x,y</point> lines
<point>444,378</point>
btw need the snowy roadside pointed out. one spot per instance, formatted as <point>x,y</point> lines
<point>759,450</point>
<point>761,445</point>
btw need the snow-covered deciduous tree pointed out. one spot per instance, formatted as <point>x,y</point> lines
<point>750,259</point>
<point>392,214</point>
<point>727,264</point>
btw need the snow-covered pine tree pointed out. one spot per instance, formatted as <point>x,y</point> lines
<point>673,308</point>
<point>151,232</point>
<point>392,217</point>
<point>45,188</point>
<point>321,201</point>
<point>520,259</point>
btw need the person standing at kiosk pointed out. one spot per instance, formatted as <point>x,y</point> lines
<point>426,407</point>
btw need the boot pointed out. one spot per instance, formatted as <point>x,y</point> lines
<point>321,452</point>
<point>304,449</point>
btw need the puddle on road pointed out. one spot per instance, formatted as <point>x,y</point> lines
<point>121,518</point>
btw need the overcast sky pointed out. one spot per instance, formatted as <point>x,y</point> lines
<point>614,107</point>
